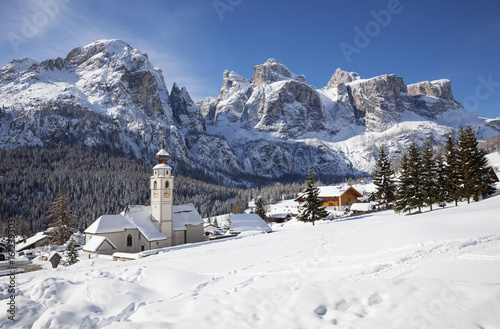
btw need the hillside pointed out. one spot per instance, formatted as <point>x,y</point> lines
<point>437,269</point>
<point>102,181</point>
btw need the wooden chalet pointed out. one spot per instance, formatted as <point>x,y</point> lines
<point>337,197</point>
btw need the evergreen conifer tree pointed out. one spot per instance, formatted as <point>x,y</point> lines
<point>415,175</point>
<point>441,183</point>
<point>403,196</point>
<point>451,172</point>
<point>474,171</point>
<point>428,175</point>
<point>71,252</point>
<point>312,209</point>
<point>383,178</point>
<point>61,228</point>
<point>259,208</point>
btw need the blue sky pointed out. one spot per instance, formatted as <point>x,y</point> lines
<point>194,41</point>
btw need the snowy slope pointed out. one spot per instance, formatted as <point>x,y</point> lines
<point>439,269</point>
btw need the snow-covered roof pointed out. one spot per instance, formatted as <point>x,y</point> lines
<point>327,191</point>
<point>361,206</point>
<point>31,241</point>
<point>110,223</point>
<point>332,191</point>
<point>186,214</point>
<point>140,216</point>
<point>162,152</point>
<point>52,254</point>
<point>248,222</point>
<point>95,242</point>
<point>162,166</point>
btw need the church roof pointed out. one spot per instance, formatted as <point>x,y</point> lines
<point>141,217</point>
<point>162,166</point>
<point>95,243</point>
<point>110,223</point>
<point>186,214</point>
<point>138,217</point>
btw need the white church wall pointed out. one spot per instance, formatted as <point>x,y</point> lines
<point>195,233</point>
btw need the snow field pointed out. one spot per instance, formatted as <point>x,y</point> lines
<point>438,269</point>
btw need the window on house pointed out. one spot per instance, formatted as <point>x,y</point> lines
<point>142,248</point>
<point>129,240</point>
<point>155,185</point>
<point>166,184</point>
<point>139,235</point>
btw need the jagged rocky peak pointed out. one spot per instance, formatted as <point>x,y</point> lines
<point>438,88</point>
<point>341,76</point>
<point>15,67</point>
<point>185,112</point>
<point>273,71</point>
<point>105,48</point>
<point>232,81</point>
<point>379,100</point>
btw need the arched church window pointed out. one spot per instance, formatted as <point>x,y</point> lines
<point>166,184</point>
<point>155,185</point>
<point>129,240</point>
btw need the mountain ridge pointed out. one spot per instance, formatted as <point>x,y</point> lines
<point>271,125</point>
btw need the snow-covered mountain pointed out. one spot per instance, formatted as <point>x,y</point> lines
<point>284,124</point>
<point>274,124</point>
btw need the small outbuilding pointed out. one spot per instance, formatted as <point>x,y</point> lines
<point>248,223</point>
<point>358,208</point>
<point>55,259</point>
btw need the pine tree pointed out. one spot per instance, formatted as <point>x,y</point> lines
<point>61,228</point>
<point>451,172</point>
<point>473,165</point>
<point>71,252</point>
<point>441,183</point>
<point>311,209</point>
<point>402,198</point>
<point>259,208</point>
<point>428,175</point>
<point>415,176</point>
<point>383,178</point>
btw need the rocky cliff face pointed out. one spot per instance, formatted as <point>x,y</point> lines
<point>271,125</point>
<point>342,77</point>
<point>106,93</point>
<point>276,116</point>
<point>273,71</point>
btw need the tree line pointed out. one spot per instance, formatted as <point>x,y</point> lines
<point>427,177</point>
<point>99,181</point>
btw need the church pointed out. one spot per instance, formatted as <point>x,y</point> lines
<point>142,228</point>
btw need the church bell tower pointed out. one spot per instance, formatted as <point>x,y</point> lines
<point>162,185</point>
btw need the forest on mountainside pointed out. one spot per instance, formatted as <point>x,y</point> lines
<point>102,181</point>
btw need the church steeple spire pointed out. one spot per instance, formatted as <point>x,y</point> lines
<point>162,188</point>
<point>162,156</point>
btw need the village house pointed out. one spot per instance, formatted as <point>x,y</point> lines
<point>336,198</point>
<point>38,240</point>
<point>142,228</point>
